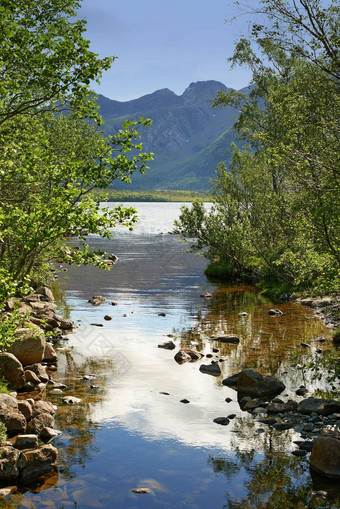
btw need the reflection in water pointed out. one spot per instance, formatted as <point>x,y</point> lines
<point>126,433</point>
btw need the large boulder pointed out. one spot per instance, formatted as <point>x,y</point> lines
<point>232,380</point>
<point>325,457</point>
<point>30,346</point>
<point>11,370</point>
<point>50,355</point>
<point>42,407</point>
<point>9,470</point>
<point>252,383</point>
<point>319,406</point>
<point>33,463</point>
<point>11,416</point>
<point>45,294</point>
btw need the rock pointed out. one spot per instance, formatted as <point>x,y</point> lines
<point>97,300</point>
<point>50,354</point>
<point>284,296</point>
<point>305,345</point>
<point>300,453</point>
<point>319,406</point>
<point>210,369</point>
<point>45,420</point>
<point>9,457</point>
<point>65,324</point>
<point>168,345</point>
<point>228,400</point>
<point>224,421</point>
<point>33,463</point>
<point>25,408</point>
<point>46,294</point>
<point>206,295</point>
<point>252,383</point>
<point>31,377</point>
<point>49,433</point>
<point>301,391</point>
<point>325,457</point>
<point>97,324</point>
<point>141,491</point>
<point>107,318</point>
<point>4,492</point>
<point>186,401</point>
<point>187,355</point>
<point>29,387</point>
<point>42,407</point>
<point>275,312</point>
<point>26,441</point>
<point>10,415</point>
<point>226,338</point>
<point>40,371</point>
<point>30,348</point>
<point>232,380</point>
<point>161,314</point>
<point>71,400</point>
<point>215,350</point>
<point>11,370</point>
<point>9,305</point>
<point>114,303</point>
<point>243,313</point>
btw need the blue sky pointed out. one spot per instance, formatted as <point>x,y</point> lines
<point>163,44</point>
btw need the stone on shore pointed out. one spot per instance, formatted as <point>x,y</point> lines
<point>30,346</point>
<point>325,457</point>
<point>26,441</point>
<point>11,416</point>
<point>44,420</point>
<point>11,370</point>
<point>9,470</point>
<point>40,371</point>
<point>33,463</point>
<point>50,355</point>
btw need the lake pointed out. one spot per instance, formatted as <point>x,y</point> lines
<point>131,429</point>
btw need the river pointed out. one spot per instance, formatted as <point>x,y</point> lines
<point>131,429</point>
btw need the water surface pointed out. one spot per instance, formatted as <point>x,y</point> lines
<point>131,429</point>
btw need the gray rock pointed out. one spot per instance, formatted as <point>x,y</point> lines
<point>45,294</point>
<point>25,408</point>
<point>42,407</point>
<point>49,433</point>
<point>12,371</point>
<point>26,441</point>
<point>210,369</point>
<point>31,377</point>
<point>232,381</point>
<point>325,457</point>
<point>33,463</point>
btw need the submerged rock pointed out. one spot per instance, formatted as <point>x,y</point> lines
<point>97,300</point>
<point>33,463</point>
<point>168,345</point>
<point>226,338</point>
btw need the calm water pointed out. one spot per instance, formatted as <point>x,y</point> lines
<point>127,433</point>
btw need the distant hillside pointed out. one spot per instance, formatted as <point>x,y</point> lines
<point>188,138</point>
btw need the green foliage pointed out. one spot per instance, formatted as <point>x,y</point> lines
<point>49,163</point>
<point>9,323</point>
<point>3,390</point>
<point>276,211</point>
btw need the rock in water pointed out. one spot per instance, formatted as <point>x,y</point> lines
<point>252,383</point>
<point>187,355</point>
<point>211,369</point>
<point>325,457</point>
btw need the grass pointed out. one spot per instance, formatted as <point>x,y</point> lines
<point>150,196</point>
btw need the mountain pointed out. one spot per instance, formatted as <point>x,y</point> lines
<point>187,137</point>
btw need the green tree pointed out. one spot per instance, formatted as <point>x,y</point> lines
<point>286,178</point>
<point>49,163</point>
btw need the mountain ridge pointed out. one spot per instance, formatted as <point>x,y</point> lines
<point>185,136</point>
